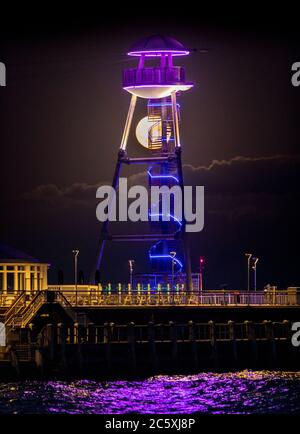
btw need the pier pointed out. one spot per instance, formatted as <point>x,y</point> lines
<point>113,331</point>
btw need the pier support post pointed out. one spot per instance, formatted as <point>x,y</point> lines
<point>49,341</point>
<point>131,345</point>
<point>152,346</point>
<point>39,356</point>
<point>80,340</point>
<point>61,341</point>
<point>291,350</point>
<point>213,343</point>
<point>107,348</point>
<point>287,327</point>
<point>231,325</point>
<point>71,336</point>
<point>91,333</point>
<point>253,344</point>
<point>14,359</point>
<point>192,339</point>
<point>30,333</point>
<point>75,332</point>
<point>269,333</point>
<point>173,338</point>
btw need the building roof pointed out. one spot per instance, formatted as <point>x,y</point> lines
<point>9,254</point>
<point>156,44</point>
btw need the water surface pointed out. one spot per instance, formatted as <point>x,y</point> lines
<point>210,393</point>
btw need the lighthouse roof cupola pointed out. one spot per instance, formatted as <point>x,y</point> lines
<point>156,45</point>
<point>156,81</point>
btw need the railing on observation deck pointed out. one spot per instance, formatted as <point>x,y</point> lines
<point>119,295</point>
<point>153,76</point>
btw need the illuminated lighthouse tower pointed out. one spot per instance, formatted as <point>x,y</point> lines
<point>158,132</point>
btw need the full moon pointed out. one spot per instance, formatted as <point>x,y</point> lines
<point>143,128</point>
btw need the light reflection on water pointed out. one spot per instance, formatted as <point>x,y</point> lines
<point>241,392</point>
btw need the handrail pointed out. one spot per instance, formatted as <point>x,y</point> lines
<point>34,306</point>
<point>144,296</point>
<point>59,296</point>
<point>15,307</point>
<point>31,309</point>
<point>39,299</point>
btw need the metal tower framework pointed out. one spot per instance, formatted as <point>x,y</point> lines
<point>159,85</point>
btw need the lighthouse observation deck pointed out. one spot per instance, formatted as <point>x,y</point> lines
<point>155,75</point>
<point>156,81</point>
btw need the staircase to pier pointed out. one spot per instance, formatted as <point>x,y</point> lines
<point>23,311</point>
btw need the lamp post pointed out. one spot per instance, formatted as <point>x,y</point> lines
<point>173,254</point>
<point>249,255</point>
<point>201,272</point>
<point>131,262</point>
<point>255,260</point>
<point>75,253</point>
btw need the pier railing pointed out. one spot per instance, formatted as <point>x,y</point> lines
<point>144,295</point>
<point>120,296</point>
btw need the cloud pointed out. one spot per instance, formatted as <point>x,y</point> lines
<point>237,188</point>
<point>271,174</point>
<point>79,193</point>
<point>243,159</point>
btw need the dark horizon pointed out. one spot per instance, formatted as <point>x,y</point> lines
<point>62,115</point>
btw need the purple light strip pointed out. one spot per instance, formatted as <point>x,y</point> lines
<point>158,85</point>
<point>167,257</point>
<point>167,104</point>
<point>169,215</point>
<point>162,176</point>
<point>154,53</point>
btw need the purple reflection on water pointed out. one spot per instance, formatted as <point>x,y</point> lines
<point>242,392</point>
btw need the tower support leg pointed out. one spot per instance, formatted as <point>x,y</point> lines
<point>121,156</point>
<point>187,259</point>
<point>104,229</point>
<point>128,122</point>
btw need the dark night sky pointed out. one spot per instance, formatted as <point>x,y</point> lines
<point>62,115</point>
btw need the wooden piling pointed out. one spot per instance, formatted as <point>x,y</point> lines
<point>213,343</point>
<point>152,346</point>
<point>39,354</point>
<point>107,347</point>
<point>80,340</point>
<point>61,341</point>
<point>75,332</point>
<point>49,341</point>
<point>173,338</point>
<point>131,345</point>
<point>269,333</point>
<point>250,333</point>
<point>91,333</point>
<point>192,339</point>
<point>232,337</point>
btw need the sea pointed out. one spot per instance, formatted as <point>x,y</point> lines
<point>244,392</point>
